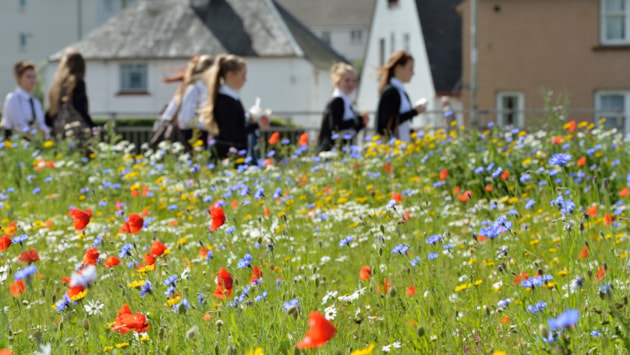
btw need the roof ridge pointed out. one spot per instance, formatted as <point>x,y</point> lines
<point>296,47</point>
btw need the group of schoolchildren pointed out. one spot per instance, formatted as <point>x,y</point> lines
<point>206,106</point>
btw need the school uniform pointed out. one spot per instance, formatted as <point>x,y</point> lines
<point>339,117</point>
<point>195,97</point>
<point>232,121</point>
<point>22,113</point>
<point>395,112</point>
<point>79,102</point>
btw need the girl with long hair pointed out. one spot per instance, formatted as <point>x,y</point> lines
<point>339,116</point>
<point>22,111</point>
<point>224,115</point>
<point>68,109</point>
<point>394,107</point>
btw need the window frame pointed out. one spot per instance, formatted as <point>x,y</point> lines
<point>603,15</point>
<point>599,112</point>
<point>520,116</point>
<point>356,36</point>
<point>129,69</point>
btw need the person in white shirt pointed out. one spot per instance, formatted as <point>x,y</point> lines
<point>23,113</point>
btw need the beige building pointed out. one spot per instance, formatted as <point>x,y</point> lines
<point>525,47</point>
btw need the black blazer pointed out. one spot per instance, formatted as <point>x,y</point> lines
<point>80,103</point>
<point>229,115</point>
<point>333,120</point>
<point>388,117</point>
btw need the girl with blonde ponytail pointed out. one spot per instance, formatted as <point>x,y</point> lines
<point>224,115</point>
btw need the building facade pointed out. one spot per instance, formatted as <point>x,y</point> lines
<point>577,48</point>
<point>33,29</point>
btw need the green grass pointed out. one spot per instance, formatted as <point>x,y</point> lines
<point>455,308</point>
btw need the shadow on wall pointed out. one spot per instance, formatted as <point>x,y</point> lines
<point>226,25</point>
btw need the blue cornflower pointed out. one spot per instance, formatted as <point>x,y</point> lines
<point>566,319</point>
<point>432,256</point>
<point>200,299</point>
<point>146,288</point>
<point>504,303</point>
<point>525,178</point>
<point>183,303</point>
<point>434,239</point>
<point>538,307</point>
<point>97,241</point>
<point>447,246</point>
<point>595,333</point>
<point>169,291</point>
<point>260,193</point>
<point>261,296</point>
<point>560,159</point>
<point>530,204</point>
<point>291,303</point>
<point>125,250</point>
<point>171,281</point>
<point>277,194</point>
<point>479,170</point>
<point>400,249</point>
<point>416,261</point>
<point>497,172</point>
<point>19,239</point>
<point>391,204</point>
<point>26,272</point>
<point>245,262</point>
<point>63,303</point>
<point>345,241</point>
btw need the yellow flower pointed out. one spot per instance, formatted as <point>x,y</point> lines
<point>366,351</point>
<point>499,352</point>
<point>257,351</point>
<point>122,345</point>
<point>173,301</point>
<point>563,273</point>
<point>144,338</point>
<point>81,295</point>
<point>463,287</point>
<point>108,348</point>
<point>136,284</point>
<point>478,282</point>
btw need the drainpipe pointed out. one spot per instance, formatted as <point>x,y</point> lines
<point>473,62</point>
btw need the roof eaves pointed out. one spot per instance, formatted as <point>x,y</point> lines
<point>272,6</point>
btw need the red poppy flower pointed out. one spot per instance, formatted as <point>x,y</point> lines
<point>583,253</point>
<point>126,321</point>
<point>218,217</point>
<point>17,288</point>
<point>274,138</point>
<point>624,192</point>
<point>256,274</point>
<point>224,283</point>
<point>320,332</point>
<point>465,196</point>
<point>5,242</point>
<point>505,175</point>
<point>133,225</point>
<point>119,205</point>
<point>157,248</point>
<point>203,252</point>
<point>411,290</point>
<point>365,273</point>
<point>387,284</point>
<point>6,352</point>
<point>303,141</point>
<point>266,212</point>
<point>522,276</point>
<point>388,168</point>
<point>81,218</point>
<point>443,174</point>
<point>28,256</point>
<point>148,259</point>
<point>592,211</point>
<point>581,161</point>
<point>571,126</point>
<point>11,228</point>
<point>112,261</point>
<point>608,219</point>
<point>74,290</point>
<point>65,280</point>
<point>396,196</point>
<point>601,272</point>
<point>91,256</point>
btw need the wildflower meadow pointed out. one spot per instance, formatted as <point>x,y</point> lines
<point>464,241</point>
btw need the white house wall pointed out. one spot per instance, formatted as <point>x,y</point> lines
<point>389,24</point>
<point>341,40</point>
<point>48,25</point>
<point>285,85</point>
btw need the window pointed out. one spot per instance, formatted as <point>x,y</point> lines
<point>612,105</point>
<point>22,40</point>
<point>615,21</point>
<point>133,78</point>
<point>356,36</point>
<point>406,42</point>
<point>510,106</point>
<point>326,37</point>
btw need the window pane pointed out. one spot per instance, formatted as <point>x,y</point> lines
<point>615,27</point>
<point>612,107</point>
<point>133,77</point>
<point>615,5</point>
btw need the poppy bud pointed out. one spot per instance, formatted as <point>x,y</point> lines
<point>86,324</point>
<point>420,331</point>
<point>393,292</point>
<point>380,251</point>
<point>544,332</point>
<point>581,226</point>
